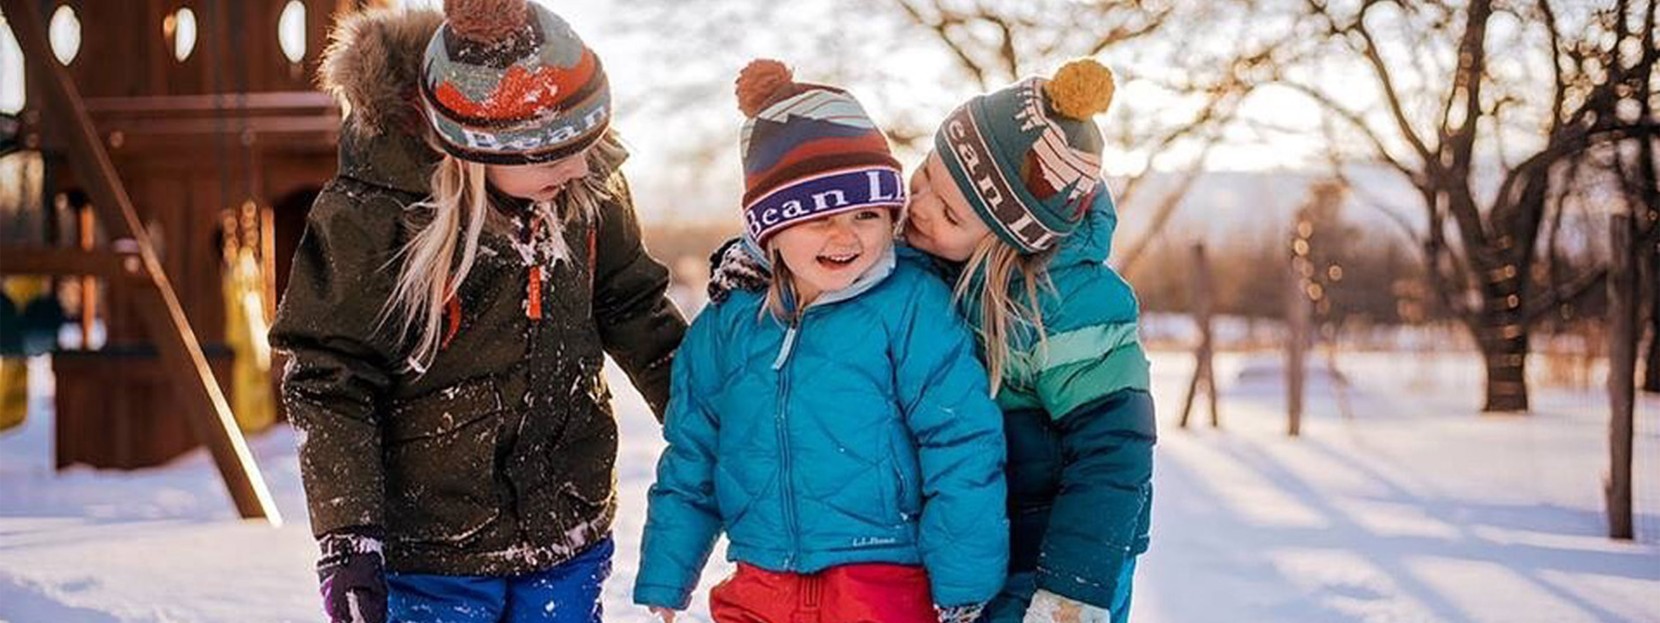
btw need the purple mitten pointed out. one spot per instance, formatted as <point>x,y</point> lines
<point>352,577</point>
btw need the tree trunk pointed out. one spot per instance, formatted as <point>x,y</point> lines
<point>1624,296</point>
<point>1503,338</point>
<point>1651,277</point>
<point>1651,367</point>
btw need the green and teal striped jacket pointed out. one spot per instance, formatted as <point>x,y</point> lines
<point>1080,428</point>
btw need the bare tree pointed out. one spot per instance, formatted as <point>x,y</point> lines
<point>685,89</point>
<point>911,60</point>
<point>1451,99</point>
<point>999,44</point>
<point>1212,48</point>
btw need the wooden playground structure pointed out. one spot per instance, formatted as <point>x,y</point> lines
<point>166,117</point>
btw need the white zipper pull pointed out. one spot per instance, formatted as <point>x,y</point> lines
<point>784,351</point>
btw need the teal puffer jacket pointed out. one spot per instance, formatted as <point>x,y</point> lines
<point>863,435</point>
<point>1080,425</point>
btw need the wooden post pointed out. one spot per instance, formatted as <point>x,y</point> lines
<point>1204,370</point>
<point>1339,381</point>
<point>204,404</point>
<point>268,261</point>
<point>1296,324</point>
<point>89,285</point>
<point>1622,375</point>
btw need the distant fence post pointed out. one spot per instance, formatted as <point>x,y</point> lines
<point>1204,370</point>
<point>1622,375</point>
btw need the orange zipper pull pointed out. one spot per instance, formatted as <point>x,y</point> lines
<point>533,303</point>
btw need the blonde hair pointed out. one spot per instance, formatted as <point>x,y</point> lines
<point>781,288</point>
<point>452,220</point>
<point>1001,313</point>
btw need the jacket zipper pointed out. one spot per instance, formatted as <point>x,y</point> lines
<point>788,486</point>
<point>781,364</point>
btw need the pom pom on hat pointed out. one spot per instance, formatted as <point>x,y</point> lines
<point>759,82</point>
<point>486,21</point>
<point>1081,89</point>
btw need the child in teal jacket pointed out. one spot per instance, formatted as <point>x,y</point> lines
<point>837,427</point>
<point>1011,203</point>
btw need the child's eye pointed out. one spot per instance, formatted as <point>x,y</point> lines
<point>950,215</point>
<point>865,215</point>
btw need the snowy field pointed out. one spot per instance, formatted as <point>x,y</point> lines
<point>1399,503</point>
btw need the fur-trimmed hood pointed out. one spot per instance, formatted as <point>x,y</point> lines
<point>373,66</point>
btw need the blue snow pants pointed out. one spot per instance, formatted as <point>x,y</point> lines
<point>568,593</point>
<point>1010,605</point>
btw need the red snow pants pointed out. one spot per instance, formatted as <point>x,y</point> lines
<point>863,593</point>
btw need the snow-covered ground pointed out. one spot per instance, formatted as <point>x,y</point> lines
<point>1408,507</point>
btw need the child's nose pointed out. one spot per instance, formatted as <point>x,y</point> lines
<point>918,214</point>
<point>841,231</point>
<point>570,169</point>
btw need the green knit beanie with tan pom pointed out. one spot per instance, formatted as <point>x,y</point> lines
<point>1028,156</point>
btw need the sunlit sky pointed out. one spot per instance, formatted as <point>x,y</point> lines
<point>1284,108</point>
<point>1284,133</point>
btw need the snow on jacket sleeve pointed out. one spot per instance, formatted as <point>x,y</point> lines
<point>682,518</point>
<point>340,363</point>
<point>964,533</point>
<point>638,324</point>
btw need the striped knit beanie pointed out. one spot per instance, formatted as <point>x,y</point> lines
<point>508,82</point>
<point>809,151</point>
<point>1028,157</point>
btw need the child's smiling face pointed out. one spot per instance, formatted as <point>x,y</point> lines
<point>538,182</point>
<point>828,254</point>
<point>938,219</point>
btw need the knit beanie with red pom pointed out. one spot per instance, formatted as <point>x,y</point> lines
<point>509,82</point>
<point>809,151</point>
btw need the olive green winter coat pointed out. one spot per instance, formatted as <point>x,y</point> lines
<point>499,458</point>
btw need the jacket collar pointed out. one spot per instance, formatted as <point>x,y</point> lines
<point>396,160</point>
<point>1091,242</point>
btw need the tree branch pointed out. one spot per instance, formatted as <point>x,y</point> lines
<point>942,31</point>
<point>1576,290</point>
<point>1335,162</point>
<point>1221,109</point>
<point>1472,64</point>
<point>1369,200</point>
<point>1392,96</point>
<point>1435,250</point>
<point>1560,95</point>
<point>1124,32</point>
<point>1354,119</point>
<point>1166,209</point>
<point>1005,50</point>
<point>1553,250</point>
<point>1570,144</point>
